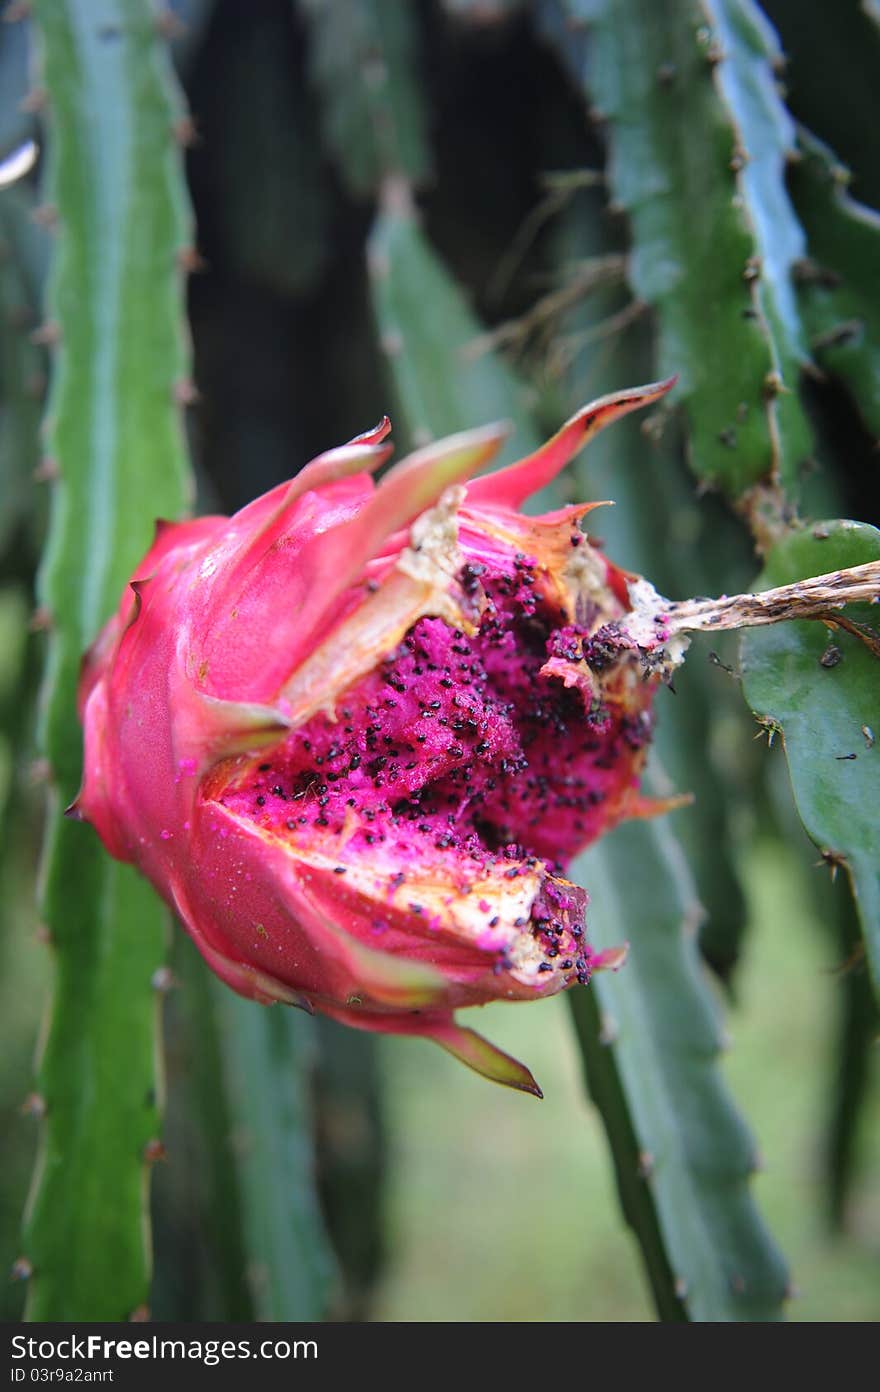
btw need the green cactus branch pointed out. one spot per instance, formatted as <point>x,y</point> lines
<point>22,378</point>
<point>655,74</point>
<point>114,433</point>
<point>837,281</point>
<point>819,690</point>
<point>237,1200</point>
<point>443,380</point>
<point>687,545</point>
<point>362,58</point>
<point>651,1068</point>
<point>658,1022</point>
<point>291,1265</point>
<point>706,1251</point>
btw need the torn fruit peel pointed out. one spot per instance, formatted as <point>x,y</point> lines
<point>354,733</point>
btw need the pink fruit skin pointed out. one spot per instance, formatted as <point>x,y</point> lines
<point>353,733</point>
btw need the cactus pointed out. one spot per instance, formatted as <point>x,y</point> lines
<point>652,72</point>
<point>706,1251</point>
<point>707,553</point>
<point>658,1026</point>
<point>818,690</point>
<point>655,74</point>
<point>22,382</point>
<point>114,432</point>
<point>836,281</point>
<point>291,1267</point>
<point>441,378</point>
<point>363,67</point>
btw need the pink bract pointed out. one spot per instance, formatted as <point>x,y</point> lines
<point>354,733</point>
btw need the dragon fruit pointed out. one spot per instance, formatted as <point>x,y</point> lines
<point>354,733</point>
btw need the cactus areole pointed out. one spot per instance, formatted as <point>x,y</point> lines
<point>354,734</point>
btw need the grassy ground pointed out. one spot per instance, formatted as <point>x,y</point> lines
<point>503,1209</point>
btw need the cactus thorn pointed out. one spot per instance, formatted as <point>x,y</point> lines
<point>834,860</point>
<point>47,334</point>
<point>35,101</point>
<point>185,392</point>
<point>34,1105</point>
<point>189,261</point>
<point>154,1151</point>
<point>47,471</point>
<point>738,1284</point>
<point>646,1164</point>
<point>681,1287</point>
<point>163,980</point>
<point>752,269</point>
<point>22,1269</point>
<point>652,426</point>
<point>185,132</point>
<point>41,619</point>
<point>169,25</point>
<point>45,215</point>
<point>140,1315</point>
<point>43,934</point>
<point>392,344</point>
<point>773,384</point>
<point>40,772</point>
<point>767,726</point>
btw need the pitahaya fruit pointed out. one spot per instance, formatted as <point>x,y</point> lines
<point>354,733</point>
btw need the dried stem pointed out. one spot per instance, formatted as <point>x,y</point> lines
<point>816,598</point>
